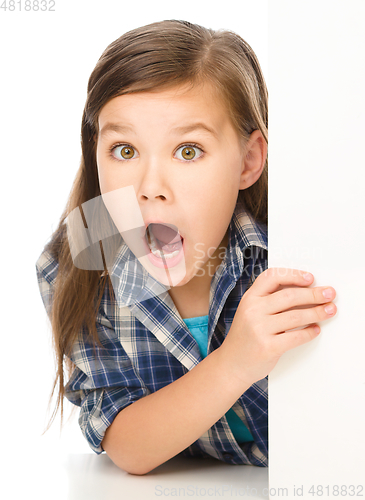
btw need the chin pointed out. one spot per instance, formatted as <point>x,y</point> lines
<point>184,281</point>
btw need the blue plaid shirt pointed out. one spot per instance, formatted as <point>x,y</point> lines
<point>146,346</point>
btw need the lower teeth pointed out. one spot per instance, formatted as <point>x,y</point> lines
<point>159,254</point>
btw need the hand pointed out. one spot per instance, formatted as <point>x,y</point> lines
<point>259,332</point>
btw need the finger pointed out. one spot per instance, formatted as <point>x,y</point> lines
<point>292,297</point>
<point>300,317</point>
<point>289,340</point>
<point>270,280</point>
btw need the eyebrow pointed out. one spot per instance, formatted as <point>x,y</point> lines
<point>195,126</point>
<point>115,127</point>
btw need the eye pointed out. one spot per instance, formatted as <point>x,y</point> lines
<point>189,152</point>
<point>123,152</point>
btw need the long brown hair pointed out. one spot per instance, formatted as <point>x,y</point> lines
<point>159,55</point>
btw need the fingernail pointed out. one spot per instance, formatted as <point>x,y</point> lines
<point>329,309</point>
<point>307,276</point>
<point>327,293</point>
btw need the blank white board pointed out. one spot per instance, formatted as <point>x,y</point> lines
<point>316,223</point>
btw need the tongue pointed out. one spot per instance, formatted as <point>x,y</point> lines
<point>167,234</point>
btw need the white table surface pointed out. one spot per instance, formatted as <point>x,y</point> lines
<point>92,477</point>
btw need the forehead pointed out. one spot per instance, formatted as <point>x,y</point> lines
<point>171,106</point>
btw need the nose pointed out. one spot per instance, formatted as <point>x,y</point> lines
<point>154,184</point>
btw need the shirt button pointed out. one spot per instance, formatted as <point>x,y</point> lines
<point>227,456</point>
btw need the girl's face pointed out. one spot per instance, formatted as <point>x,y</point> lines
<point>185,161</point>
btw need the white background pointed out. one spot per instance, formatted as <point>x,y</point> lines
<point>46,60</point>
<point>316,223</point>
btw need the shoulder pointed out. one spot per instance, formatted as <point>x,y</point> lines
<point>47,263</point>
<point>249,232</point>
<point>249,238</point>
<point>46,269</point>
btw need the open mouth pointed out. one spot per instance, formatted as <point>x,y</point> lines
<point>164,240</point>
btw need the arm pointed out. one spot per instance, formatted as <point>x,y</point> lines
<point>157,427</point>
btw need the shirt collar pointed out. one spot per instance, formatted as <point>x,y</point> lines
<point>244,234</point>
<point>132,283</point>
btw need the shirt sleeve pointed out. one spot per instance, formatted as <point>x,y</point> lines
<point>104,380</point>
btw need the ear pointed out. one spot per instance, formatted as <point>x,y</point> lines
<point>254,159</point>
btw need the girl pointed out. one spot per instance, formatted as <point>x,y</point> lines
<point>178,113</point>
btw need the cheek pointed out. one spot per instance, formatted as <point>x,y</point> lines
<point>104,185</point>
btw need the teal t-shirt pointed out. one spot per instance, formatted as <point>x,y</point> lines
<point>199,329</point>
